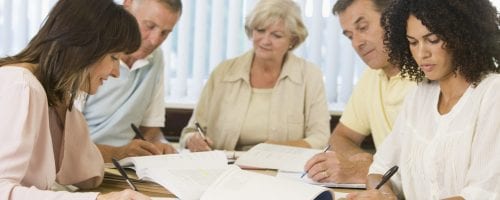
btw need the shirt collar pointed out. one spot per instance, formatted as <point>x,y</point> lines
<point>383,75</point>
<point>292,68</point>
<point>138,63</point>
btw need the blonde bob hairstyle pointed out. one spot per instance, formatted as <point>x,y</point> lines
<point>268,12</point>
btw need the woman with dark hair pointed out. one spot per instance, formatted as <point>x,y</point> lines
<point>446,139</point>
<point>46,140</point>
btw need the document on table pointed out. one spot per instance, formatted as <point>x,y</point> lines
<point>186,175</point>
<point>280,157</point>
<point>236,183</point>
<point>297,177</point>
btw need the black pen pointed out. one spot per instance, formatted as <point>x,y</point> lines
<point>201,132</point>
<point>122,172</point>
<point>387,176</point>
<point>326,149</point>
<point>137,132</point>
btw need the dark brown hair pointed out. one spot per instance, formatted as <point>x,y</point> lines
<point>76,34</point>
<point>468,28</point>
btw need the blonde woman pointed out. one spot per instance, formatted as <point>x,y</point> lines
<point>265,95</point>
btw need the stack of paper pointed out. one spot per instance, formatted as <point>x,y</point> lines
<point>207,176</point>
<point>186,175</point>
<point>290,162</point>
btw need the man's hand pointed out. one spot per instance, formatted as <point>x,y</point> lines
<point>138,147</point>
<point>331,166</point>
<point>135,148</point>
<point>165,148</point>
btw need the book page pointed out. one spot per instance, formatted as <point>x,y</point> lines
<point>239,184</point>
<point>185,175</point>
<point>204,160</point>
<point>271,156</point>
<point>184,183</point>
<point>296,176</point>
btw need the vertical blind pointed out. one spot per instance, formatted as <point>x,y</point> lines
<point>209,32</point>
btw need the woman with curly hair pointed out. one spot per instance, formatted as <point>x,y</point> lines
<point>446,139</point>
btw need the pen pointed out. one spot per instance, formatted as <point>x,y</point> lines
<point>387,176</point>
<point>326,149</point>
<point>137,132</point>
<point>122,172</point>
<point>200,132</point>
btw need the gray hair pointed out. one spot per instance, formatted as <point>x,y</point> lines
<point>268,12</point>
<point>173,5</point>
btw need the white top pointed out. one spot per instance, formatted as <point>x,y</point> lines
<point>440,156</point>
<point>137,96</point>
<point>36,152</point>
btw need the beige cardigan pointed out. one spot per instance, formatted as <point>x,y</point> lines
<point>298,104</point>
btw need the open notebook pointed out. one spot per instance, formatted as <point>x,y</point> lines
<point>206,175</point>
<point>288,160</point>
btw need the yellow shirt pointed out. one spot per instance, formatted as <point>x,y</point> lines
<point>298,108</point>
<point>375,103</point>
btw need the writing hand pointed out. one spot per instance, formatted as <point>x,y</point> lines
<point>197,143</point>
<point>165,148</point>
<point>138,148</point>
<point>334,167</point>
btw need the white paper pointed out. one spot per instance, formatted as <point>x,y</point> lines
<point>186,175</point>
<point>184,183</point>
<point>297,177</point>
<point>280,157</point>
<point>239,184</point>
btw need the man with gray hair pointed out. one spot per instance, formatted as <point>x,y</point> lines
<point>374,103</point>
<point>137,96</point>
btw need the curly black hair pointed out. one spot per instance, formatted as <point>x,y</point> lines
<point>469,29</point>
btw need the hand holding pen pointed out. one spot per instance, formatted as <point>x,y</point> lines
<point>378,192</point>
<point>199,141</point>
<point>163,147</point>
<point>387,176</point>
<point>325,150</point>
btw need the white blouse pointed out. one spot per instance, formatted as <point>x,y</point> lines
<point>440,156</point>
<point>34,152</point>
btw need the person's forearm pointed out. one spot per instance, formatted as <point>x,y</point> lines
<point>298,143</point>
<point>345,146</point>
<point>362,161</point>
